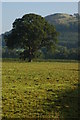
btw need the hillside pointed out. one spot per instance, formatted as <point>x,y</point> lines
<point>67,26</point>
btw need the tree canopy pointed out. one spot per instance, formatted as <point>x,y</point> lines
<point>31,33</point>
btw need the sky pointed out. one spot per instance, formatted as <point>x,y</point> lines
<point>39,0</point>
<point>13,10</point>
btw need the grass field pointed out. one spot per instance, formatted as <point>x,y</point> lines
<point>40,90</point>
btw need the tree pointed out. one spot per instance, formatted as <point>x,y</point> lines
<point>31,33</point>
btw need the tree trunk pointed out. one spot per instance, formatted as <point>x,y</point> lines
<point>29,60</point>
<point>30,54</point>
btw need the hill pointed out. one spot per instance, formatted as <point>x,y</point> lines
<point>67,26</point>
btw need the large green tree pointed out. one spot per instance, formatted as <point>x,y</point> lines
<point>31,33</point>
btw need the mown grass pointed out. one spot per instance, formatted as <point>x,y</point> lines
<point>40,90</point>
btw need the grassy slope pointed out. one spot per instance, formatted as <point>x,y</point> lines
<point>40,90</point>
<point>67,26</point>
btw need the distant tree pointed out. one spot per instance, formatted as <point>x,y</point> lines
<point>31,33</point>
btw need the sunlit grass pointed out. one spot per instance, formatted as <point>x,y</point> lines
<point>40,89</point>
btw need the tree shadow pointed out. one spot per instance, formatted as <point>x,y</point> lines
<point>65,105</point>
<point>59,105</point>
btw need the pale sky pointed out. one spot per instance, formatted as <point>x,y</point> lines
<point>12,10</point>
<point>39,0</point>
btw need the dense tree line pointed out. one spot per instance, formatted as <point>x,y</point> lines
<point>59,53</point>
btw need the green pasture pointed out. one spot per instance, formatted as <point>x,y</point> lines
<point>40,90</point>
